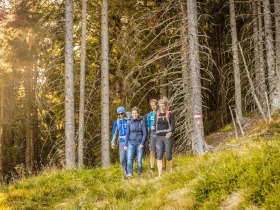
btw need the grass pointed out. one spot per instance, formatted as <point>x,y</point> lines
<point>243,177</point>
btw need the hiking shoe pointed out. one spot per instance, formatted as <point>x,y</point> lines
<point>129,176</point>
<point>164,169</point>
<point>152,169</point>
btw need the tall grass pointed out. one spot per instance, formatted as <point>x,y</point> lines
<point>246,176</point>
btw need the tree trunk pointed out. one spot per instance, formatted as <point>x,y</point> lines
<point>258,56</point>
<point>186,73</point>
<point>70,155</point>
<point>270,55</point>
<point>29,121</point>
<point>1,124</point>
<point>163,79</point>
<point>105,149</point>
<point>35,114</point>
<point>277,47</point>
<point>238,101</point>
<point>194,63</point>
<point>82,87</point>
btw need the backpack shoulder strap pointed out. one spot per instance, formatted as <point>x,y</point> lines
<point>118,123</point>
<point>157,115</point>
<point>129,122</point>
<point>168,119</point>
<point>167,115</point>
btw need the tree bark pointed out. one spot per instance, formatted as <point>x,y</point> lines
<point>105,85</point>
<point>270,55</point>
<point>277,47</point>
<point>70,155</point>
<point>163,79</point>
<point>1,124</point>
<point>29,121</point>
<point>258,56</point>
<point>82,87</point>
<point>238,100</point>
<point>194,65</point>
<point>188,125</point>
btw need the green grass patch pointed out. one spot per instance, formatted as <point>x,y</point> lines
<point>242,177</point>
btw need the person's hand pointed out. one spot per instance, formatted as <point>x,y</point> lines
<point>125,148</point>
<point>141,146</point>
<point>153,128</point>
<point>168,135</point>
<point>113,145</point>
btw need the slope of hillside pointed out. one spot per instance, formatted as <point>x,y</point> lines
<point>244,176</point>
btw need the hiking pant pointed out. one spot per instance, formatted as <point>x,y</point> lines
<point>123,157</point>
<point>132,149</point>
<point>162,144</point>
<point>152,141</point>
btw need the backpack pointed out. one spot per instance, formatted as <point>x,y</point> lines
<point>129,123</point>
<point>128,115</point>
<point>167,115</point>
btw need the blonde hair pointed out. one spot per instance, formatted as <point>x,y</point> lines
<point>136,109</point>
<point>163,101</point>
<point>154,101</point>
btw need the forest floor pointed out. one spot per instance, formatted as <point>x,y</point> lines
<point>242,173</point>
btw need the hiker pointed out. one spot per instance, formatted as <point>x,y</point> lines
<point>120,130</point>
<point>152,134</point>
<point>164,126</point>
<point>134,141</point>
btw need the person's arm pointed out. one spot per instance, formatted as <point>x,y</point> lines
<point>114,132</point>
<point>127,133</point>
<point>172,122</point>
<point>144,131</point>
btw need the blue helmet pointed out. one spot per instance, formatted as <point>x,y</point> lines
<point>120,109</point>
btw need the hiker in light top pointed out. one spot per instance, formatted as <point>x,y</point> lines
<point>120,130</point>
<point>152,134</point>
<point>164,127</point>
<point>134,141</point>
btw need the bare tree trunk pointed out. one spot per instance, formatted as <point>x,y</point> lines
<point>105,85</point>
<point>186,72</point>
<point>238,101</point>
<point>70,154</point>
<point>35,113</point>
<point>258,56</point>
<point>270,54</point>
<point>277,32</point>
<point>29,121</point>
<point>163,79</point>
<point>82,87</point>
<point>1,124</point>
<point>277,47</point>
<point>194,63</point>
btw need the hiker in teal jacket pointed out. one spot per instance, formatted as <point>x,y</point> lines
<point>152,134</point>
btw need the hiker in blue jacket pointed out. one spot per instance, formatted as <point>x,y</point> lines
<point>134,141</point>
<point>120,130</point>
